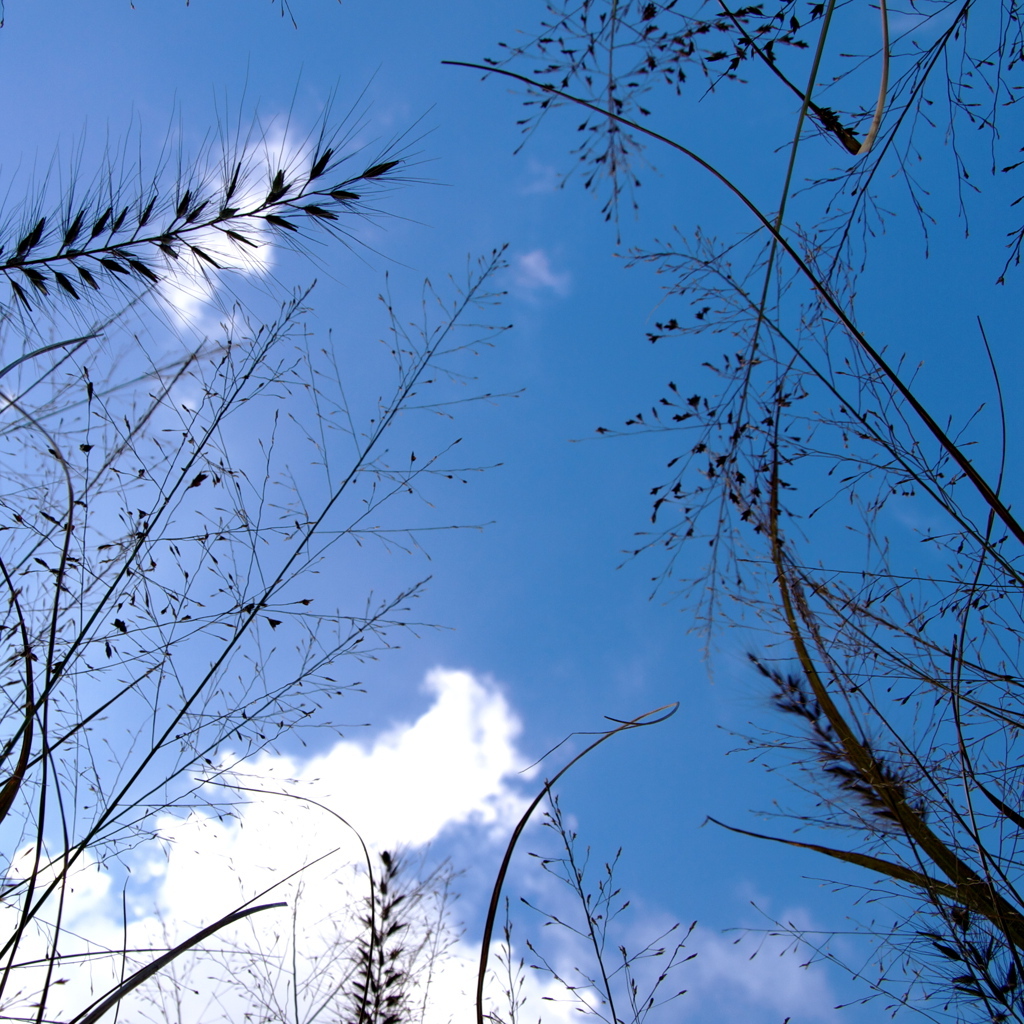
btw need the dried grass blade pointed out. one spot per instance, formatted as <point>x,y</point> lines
<point>111,1000</point>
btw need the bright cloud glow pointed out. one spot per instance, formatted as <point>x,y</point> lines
<point>189,285</point>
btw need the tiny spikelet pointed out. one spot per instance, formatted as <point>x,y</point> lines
<point>378,169</point>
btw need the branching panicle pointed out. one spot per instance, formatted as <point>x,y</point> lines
<point>832,502</point>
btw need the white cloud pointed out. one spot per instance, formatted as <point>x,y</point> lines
<point>447,768</point>
<point>533,273</point>
<point>454,767</point>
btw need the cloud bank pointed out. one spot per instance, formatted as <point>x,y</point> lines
<point>287,833</point>
<point>281,834</point>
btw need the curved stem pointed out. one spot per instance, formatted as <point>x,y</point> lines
<point>883,85</point>
<point>982,486</point>
<point>492,910</point>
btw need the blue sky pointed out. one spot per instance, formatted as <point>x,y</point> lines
<point>540,607</point>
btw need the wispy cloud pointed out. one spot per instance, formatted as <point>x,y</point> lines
<point>533,274</point>
<point>543,178</point>
<point>741,981</point>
